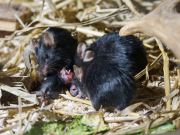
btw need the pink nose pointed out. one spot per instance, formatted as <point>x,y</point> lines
<point>73,87</point>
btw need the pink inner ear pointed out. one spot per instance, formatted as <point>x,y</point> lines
<point>81,50</point>
<point>78,72</point>
<point>89,55</point>
<point>34,43</point>
<point>48,39</point>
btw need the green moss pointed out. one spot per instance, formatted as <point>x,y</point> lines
<point>74,127</point>
<point>163,128</point>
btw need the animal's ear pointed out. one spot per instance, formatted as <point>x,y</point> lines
<point>34,43</point>
<point>81,50</point>
<point>88,56</point>
<point>78,72</point>
<point>48,39</point>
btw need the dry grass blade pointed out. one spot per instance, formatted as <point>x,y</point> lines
<point>16,59</point>
<point>58,6</point>
<point>17,91</point>
<point>20,115</point>
<point>20,20</point>
<point>64,3</point>
<point>18,55</point>
<point>103,17</point>
<point>90,19</point>
<point>150,67</point>
<point>175,103</point>
<point>131,7</point>
<point>139,128</point>
<point>8,128</point>
<point>166,73</point>
<point>10,72</point>
<point>53,7</point>
<point>119,119</point>
<point>87,102</point>
<point>16,106</point>
<point>178,75</point>
<point>66,113</point>
<point>172,94</point>
<point>131,108</point>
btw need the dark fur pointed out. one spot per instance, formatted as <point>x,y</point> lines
<point>75,88</point>
<point>59,55</point>
<point>108,78</point>
<point>55,56</point>
<point>51,87</point>
<point>127,51</point>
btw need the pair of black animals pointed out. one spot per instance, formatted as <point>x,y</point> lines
<point>104,70</point>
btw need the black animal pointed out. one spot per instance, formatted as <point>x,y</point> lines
<point>106,70</point>
<point>51,87</point>
<point>55,50</point>
<point>55,53</point>
<point>75,88</point>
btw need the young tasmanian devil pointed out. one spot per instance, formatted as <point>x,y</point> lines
<point>106,68</point>
<point>55,52</point>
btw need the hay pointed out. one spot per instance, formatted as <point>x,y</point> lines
<point>157,101</point>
